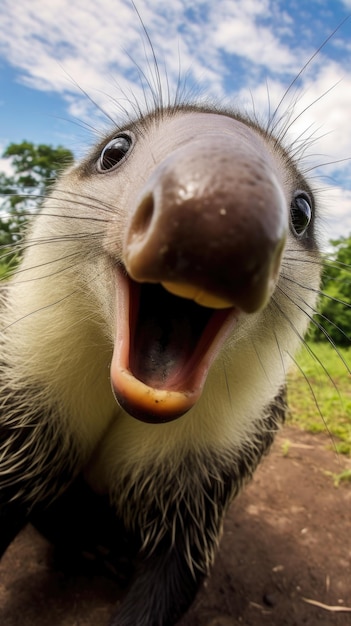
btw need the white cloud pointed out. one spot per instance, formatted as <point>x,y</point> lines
<point>91,39</point>
<point>318,112</point>
<point>335,213</point>
<point>239,30</point>
<point>5,165</point>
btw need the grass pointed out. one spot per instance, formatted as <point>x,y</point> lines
<point>343,477</point>
<point>319,392</point>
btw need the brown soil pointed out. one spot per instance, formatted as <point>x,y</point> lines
<point>287,539</point>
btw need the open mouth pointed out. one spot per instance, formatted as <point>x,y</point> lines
<point>164,347</point>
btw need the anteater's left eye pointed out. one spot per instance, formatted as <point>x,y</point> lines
<point>114,152</point>
<point>300,212</point>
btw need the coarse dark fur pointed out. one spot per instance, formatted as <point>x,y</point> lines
<point>69,452</point>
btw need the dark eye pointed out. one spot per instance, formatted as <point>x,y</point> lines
<point>114,152</point>
<point>300,212</point>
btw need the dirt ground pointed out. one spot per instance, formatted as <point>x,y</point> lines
<point>286,544</point>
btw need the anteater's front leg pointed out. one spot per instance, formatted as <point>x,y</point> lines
<point>179,520</point>
<point>162,591</point>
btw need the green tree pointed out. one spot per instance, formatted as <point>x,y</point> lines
<point>35,167</point>
<point>335,305</point>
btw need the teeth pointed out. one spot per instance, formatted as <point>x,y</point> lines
<point>199,296</point>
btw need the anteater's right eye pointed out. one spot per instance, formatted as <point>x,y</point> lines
<point>115,152</point>
<point>300,213</point>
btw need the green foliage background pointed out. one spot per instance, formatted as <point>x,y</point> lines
<point>35,168</point>
<point>334,319</point>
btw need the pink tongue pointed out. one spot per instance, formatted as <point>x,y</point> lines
<point>157,380</point>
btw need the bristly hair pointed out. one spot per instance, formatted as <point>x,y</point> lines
<point>186,501</point>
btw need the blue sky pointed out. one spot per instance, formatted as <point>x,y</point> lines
<point>234,50</point>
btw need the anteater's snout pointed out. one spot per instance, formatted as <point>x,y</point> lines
<point>211,221</point>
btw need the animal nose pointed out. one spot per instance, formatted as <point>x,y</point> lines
<point>210,223</point>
